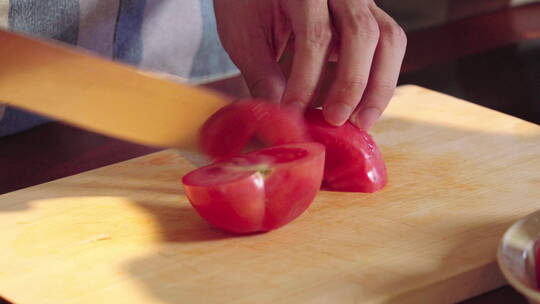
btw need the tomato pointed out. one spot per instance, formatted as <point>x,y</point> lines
<point>353,160</point>
<point>227,132</point>
<point>257,191</point>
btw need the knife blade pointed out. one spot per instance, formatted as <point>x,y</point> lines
<point>74,86</point>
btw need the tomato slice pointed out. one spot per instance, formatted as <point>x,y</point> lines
<point>353,160</point>
<point>258,191</point>
<point>227,132</point>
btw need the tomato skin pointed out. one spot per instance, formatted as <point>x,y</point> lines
<point>354,163</point>
<point>236,207</point>
<point>298,184</point>
<point>229,130</point>
<point>278,125</point>
<point>235,196</point>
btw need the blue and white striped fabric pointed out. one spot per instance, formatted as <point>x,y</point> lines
<point>176,37</point>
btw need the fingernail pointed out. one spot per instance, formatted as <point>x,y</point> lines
<point>337,114</point>
<point>366,118</point>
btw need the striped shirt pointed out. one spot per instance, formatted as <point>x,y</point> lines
<point>176,37</point>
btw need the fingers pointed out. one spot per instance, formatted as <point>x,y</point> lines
<point>250,45</point>
<point>385,72</point>
<point>264,80</point>
<point>310,21</point>
<point>261,72</point>
<point>359,33</point>
<point>367,43</point>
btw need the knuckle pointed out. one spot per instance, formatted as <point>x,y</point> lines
<point>355,83</point>
<point>263,85</point>
<point>380,92</point>
<point>350,91</point>
<point>348,103</point>
<point>300,95</point>
<point>255,84</point>
<point>364,26</point>
<point>384,89</point>
<point>318,34</point>
<point>394,33</point>
<point>386,85</point>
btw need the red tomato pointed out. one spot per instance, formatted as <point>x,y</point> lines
<point>353,161</point>
<point>258,191</point>
<point>229,130</point>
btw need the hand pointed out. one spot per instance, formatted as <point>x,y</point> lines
<point>367,43</point>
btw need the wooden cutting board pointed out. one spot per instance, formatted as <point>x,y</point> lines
<point>460,174</point>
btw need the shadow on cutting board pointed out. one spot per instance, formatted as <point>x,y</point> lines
<point>237,276</point>
<point>435,165</point>
<point>111,219</point>
<point>4,301</point>
<point>458,274</point>
<point>425,160</point>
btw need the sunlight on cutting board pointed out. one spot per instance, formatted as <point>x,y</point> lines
<point>459,176</point>
<point>119,221</point>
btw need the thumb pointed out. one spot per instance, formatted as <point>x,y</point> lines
<point>264,78</point>
<point>260,69</point>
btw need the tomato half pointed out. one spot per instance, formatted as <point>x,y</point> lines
<point>258,191</point>
<point>353,160</point>
<point>227,132</point>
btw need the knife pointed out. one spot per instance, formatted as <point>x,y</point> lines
<point>71,85</point>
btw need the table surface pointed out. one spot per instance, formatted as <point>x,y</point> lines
<point>465,72</point>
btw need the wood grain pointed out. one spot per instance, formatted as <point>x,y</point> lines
<point>460,175</point>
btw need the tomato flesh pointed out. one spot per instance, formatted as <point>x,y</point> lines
<point>353,160</point>
<point>227,132</point>
<point>258,191</point>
